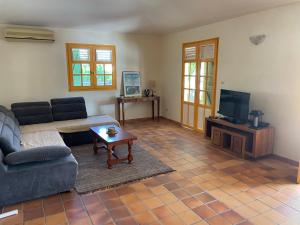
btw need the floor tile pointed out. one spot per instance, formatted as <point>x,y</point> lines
<point>189,217</point>
<point>119,213</point>
<point>152,203</point>
<point>144,218</point>
<point>178,207</point>
<point>218,206</point>
<point>233,217</point>
<point>162,212</point>
<point>204,212</point>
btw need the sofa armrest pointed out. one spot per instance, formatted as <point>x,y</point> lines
<point>39,154</point>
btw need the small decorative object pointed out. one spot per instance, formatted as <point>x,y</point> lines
<point>111,131</point>
<point>257,39</point>
<point>132,83</point>
<point>152,85</point>
<point>147,92</point>
<point>256,118</point>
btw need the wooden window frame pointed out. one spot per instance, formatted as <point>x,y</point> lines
<point>92,62</point>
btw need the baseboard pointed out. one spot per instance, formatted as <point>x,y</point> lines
<point>173,121</point>
<point>139,119</point>
<point>150,118</point>
<point>286,160</point>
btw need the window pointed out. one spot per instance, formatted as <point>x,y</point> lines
<point>91,67</point>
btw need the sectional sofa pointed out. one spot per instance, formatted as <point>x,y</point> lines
<point>35,158</point>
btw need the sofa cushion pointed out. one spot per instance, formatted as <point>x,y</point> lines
<point>32,112</point>
<point>9,132</point>
<point>37,155</point>
<point>68,108</point>
<point>41,139</point>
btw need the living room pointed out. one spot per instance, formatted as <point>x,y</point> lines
<point>59,162</point>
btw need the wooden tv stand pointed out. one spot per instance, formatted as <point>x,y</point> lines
<point>240,138</point>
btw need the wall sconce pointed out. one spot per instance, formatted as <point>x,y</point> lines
<point>257,39</point>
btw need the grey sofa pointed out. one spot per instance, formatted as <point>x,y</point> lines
<point>34,173</point>
<point>34,158</point>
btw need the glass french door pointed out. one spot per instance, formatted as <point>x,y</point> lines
<point>199,75</point>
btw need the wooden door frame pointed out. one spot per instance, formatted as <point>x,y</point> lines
<point>197,44</point>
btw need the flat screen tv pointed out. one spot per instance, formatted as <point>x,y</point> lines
<point>234,106</point>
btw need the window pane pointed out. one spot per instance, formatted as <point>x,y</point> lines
<point>86,80</point>
<point>108,69</point>
<point>207,51</point>
<point>86,69</point>
<point>210,69</point>
<point>77,80</point>
<point>100,80</point>
<point>104,55</point>
<point>202,97</point>
<point>208,98</point>
<point>80,54</point>
<point>193,83</point>
<point>202,83</point>
<point>193,69</point>
<point>100,69</point>
<point>186,82</point>
<point>187,69</point>
<point>186,95</point>
<point>192,96</point>
<point>209,84</point>
<point>76,68</point>
<point>108,80</point>
<point>203,69</point>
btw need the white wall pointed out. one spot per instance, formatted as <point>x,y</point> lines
<point>38,71</point>
<point>270,71</point>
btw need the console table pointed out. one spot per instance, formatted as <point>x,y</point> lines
<point>122,100</point>
<point>240,138</point>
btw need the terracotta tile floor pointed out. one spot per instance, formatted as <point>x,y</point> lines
<point>208,187</point>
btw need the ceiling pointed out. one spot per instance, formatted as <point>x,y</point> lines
<point>128,16</point>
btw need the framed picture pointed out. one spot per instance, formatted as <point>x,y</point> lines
<point>132,83</point>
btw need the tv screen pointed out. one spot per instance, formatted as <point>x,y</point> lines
<point>234,105</point>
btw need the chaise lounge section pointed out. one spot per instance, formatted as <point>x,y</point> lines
<point>28,173</point>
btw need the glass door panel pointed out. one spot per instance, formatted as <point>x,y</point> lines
<point>185,116</point>
<point>191,116</point>
<point>200,123</point>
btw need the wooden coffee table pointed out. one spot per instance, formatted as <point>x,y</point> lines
<point>110,142</point>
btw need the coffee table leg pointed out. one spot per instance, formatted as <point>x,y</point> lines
<point>130,158</point>
<point>95,145</point>
<point>109,156</point>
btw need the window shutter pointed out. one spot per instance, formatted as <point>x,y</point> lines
<point>103,55</point>
<point>190,53</point>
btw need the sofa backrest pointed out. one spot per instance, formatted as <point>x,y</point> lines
<point>32,112</point>
<point>68,108</point>
<point>10,135</point>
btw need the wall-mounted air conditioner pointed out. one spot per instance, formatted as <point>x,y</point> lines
<point>28,34</point>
